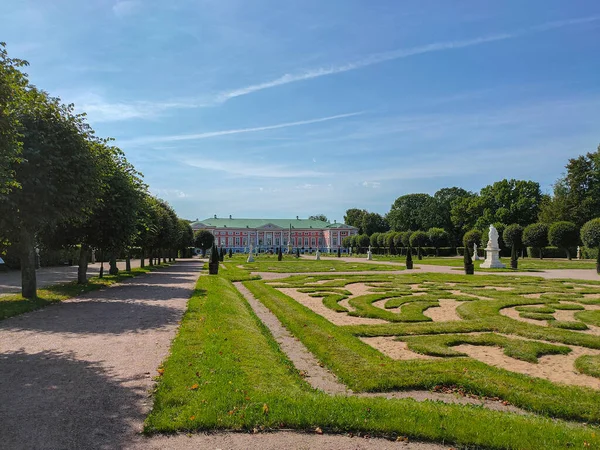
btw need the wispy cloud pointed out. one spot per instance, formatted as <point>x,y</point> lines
<point>211,134</point>
<point>372,184</point>
<point>379,58</point>
<point>252,170</point>
<point>126,8</point>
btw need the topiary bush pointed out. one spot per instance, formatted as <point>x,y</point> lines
<point>419,239</point>
<point>409,261</point>
<point>438,237</point>
<point>472,237</point>
<point>405,238</point>
<point>513,237</point>
<point>536,236</point>
<point>563,235</point>
<point>213,262</point>
<point>590,236</point>
<point>363,242</point>
<point>468,263</point>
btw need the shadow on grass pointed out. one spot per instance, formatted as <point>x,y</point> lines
<point>52,400</point>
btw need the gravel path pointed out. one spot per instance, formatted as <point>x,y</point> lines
<point>78,375</point>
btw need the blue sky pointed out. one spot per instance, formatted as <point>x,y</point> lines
<point>270,108</point>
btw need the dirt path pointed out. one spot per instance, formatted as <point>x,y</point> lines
<point>321,378</point>
<point>77,375</point>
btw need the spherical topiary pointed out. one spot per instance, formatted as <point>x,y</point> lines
<point>406,238</point>
<point>563,235</point>
<point>438,238</point>
<point>363,241</point>
<point>590,233</point>
<point>419,239</point>
<point>536,236</point>
<point>513,235</point>
<point>374,240</point>
<point>472,237</point>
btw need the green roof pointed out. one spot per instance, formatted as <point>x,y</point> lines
<point>258,223</point>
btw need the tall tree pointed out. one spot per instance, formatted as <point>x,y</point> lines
<point>12,88</point>
<point>354,218</point>
<point>186,238</point>
<point>56,176</point>
<point>576,195</point>
<point>410,212</point>
<point>373,222</point>
<point>441,211</point>
<point>322,217</point>
<point>510,201</point>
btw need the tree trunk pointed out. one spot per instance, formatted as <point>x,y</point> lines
<point>128,262</point>
<point>164,258</point>
<point>113,269</point>
<point>142,262</point>
<point>150,259</point>
<point>568,253</point>
<point>101,264</point>
<point>28,276</point>
<point>83,264</point>
<point>541,253</point>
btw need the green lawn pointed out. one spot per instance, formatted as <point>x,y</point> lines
<point>524,263</point>
<point>269,263</point>
<point>225,371</point>
<point>12,305</point>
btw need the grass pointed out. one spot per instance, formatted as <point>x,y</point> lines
<point>289,264</point>
<point>12,305</point>
<point>363,368</point>
<point>589,317</point>
<point>525,264</point>
<point>225,371</point>
<point>589,365</point>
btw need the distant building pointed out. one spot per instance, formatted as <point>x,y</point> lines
<point>270,234</point>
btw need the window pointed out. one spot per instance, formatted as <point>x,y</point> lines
<point>237,241</point>
<point>335,240</point>
<point>222,241</point>
<point>277,242</point>
<point>320,242</point>
<point>313,242</point>
<point>306,242</point>
<point>245,241</point>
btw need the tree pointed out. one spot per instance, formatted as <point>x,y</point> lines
<point>510,201</point>
<point>374,240</point>
<point>354,218</point>
<point>590,236</point>
<point>471,238</point>
<point>372,223</point>
<point>513,237</point>
<point>419,239</point>
<point>204,240</point>
<point>577,194</point>
<point>410,212</point>
<point>347,242</point>
<point>536,236</point>
<point>363,241</point>
<point>12,89</point>
<point>321,217</point>
<point>438,238</point>
<point>465,212</point>
<point>57,176</point>
<point>440,214</point>
<point>186,237</point>
<point>468,262</point>
<point>405,238</point>
<point>390,242</point>
<point>563,235</point>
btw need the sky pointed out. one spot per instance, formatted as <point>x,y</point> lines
<point>270,108</point>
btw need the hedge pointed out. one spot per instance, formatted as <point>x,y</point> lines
<point>551,252</point>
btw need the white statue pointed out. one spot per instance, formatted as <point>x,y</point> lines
<point>369,254</point>
<point>318,255</point>
<point>578,252</point>
<point>250,254</point>
<point>475,255</point>
<point>492,251</point>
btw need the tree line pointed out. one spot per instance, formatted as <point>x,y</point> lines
<point>63,186</point>
<point>453,214</point>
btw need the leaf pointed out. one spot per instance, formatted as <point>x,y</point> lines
<point>194,386</point>
<point>318,430</point>
<point>265,409</point>
<point>160,371</point>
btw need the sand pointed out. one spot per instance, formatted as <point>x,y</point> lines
<point>446,312</point>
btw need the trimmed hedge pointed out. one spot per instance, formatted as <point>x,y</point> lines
<point>551,252</point>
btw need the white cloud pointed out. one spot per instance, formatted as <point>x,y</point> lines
<point>169,193</point>
<point>210,134</point>
<point>126,8</point>
<point>252,170</point>
<point>371,184</point>
<point>378,58</point>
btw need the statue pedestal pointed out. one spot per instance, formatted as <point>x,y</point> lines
<point>492,259</point>
<point>318,255</point>
<point>369,256</point>
<point>250,258</point>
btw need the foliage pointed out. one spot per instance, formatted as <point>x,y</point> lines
<point>590,233</point>
<point>347,242</point>
<point>214,254</point>
<point>374,239</point>
<point>472,237</point>
<point>204,239</point>
<point>410,212</point>
<point>354,218</point>
<point>576,195</point>
<point>419,239</point>
<point>373,222</point>
<point>438,237</point>
<point>186,234</point>
<point>405,238</point>
<point>321,217</point>
<point>564,235</point>
<point>513,236</point>
<point>536,235</point>
<point>12,88</point>
<point>363,241</point>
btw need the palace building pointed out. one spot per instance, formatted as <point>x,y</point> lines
<point>270,234</point>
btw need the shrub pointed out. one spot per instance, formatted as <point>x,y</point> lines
<point>390,242</point>
<point>409,261</point>
<point>406,238</point>
<point>513,236</point>
<point>438,238</point>
<point>374,240</point>
<point>363,241</point>
<point>590,236</point>
<point>347,242</point>
<point>563,235</point>
<point>472,237</point>
<point>536,235</point>
<point>468,263</point>
<point>418,239</point>
<point>204,240</point>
